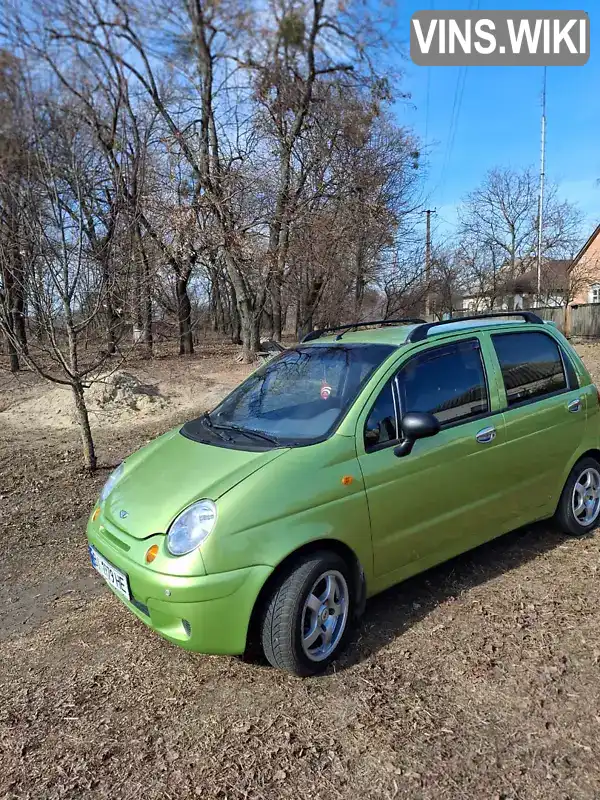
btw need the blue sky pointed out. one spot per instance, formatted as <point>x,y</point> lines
<point>497,117</point>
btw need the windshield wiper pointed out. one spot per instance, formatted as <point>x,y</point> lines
<point>210,424</point>
<point>247,432</point>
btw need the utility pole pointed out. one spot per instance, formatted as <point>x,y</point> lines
<point>541,195</point>
<point>429,212</point>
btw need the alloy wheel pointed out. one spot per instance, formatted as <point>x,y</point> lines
<point>324,615</point>
<point>585,501</point>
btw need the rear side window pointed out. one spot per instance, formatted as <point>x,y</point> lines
<point>448,382</point>
<point>381,424</point>
<point>531,365</point>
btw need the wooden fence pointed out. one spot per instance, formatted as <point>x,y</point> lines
<point>584,319</point>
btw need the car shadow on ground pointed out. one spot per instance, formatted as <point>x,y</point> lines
<point>390,614</point>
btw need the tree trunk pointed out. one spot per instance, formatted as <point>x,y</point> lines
<point>246,319</point>
<point>9,318</point>
<point>236,323</point>
<point>305,325</point>
<point>12,354</point>
<point>83,420</point>
<point>250,330</point>
<point>112,329</point>
<point>269,320</point>
<point>184,317</point>
<point>137,294</point>
<point>297,317</point>
<point>248,305</point>
<point>277,278</point>
<point>359,286</point>
<point>19,322</point>
<point>14,281</point>
<point>212,306</point>
<point>145,291</point>
<point>147,321</point>
<point>309,304</point>
<point>255,335</point>
<point>567,321</point>
<point>276,316</point>
<point>219,314</point>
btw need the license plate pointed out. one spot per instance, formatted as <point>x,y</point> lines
<point>113,576</point>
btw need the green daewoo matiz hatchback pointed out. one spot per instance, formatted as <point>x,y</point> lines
<point>343,466</point>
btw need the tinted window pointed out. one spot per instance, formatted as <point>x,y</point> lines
<point>448,382</point>
<point>381,424</point>
<point>302,394</point>
<point>531,365</point>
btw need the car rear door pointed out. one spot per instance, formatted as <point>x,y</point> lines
<point>544,416</point>
<point>448,494</point>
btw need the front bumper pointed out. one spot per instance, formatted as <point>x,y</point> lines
<point>208,614</point>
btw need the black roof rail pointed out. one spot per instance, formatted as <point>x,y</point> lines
<point>352,326</point>
<point>420,333</point>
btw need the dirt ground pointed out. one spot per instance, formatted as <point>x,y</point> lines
<point>478,679</point>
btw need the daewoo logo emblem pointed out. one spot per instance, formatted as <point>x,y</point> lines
<point>123,513</point>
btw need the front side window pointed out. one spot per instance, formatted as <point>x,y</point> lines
<point>448,382</point>
<point>381,426</point>
<point>531,365</point>
<point>301,395</point>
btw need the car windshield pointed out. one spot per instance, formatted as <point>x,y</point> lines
<point>300,396</point>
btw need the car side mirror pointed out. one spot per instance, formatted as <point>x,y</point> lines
<point>415,425</point>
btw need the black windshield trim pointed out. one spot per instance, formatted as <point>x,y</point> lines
<point>197,432</point>
<point>249,432</point>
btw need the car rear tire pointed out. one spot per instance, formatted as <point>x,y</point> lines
<point>306,619</point>
<point>578,509</point>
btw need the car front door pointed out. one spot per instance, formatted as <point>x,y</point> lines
<point>448,493</point>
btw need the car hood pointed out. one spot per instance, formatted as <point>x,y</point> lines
<point>169,474</point>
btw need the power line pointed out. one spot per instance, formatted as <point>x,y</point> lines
<point>447,221</point>
<point>458,108</point>
<point>427,103</point>
<point>454,115</point>
<point>459,91</point>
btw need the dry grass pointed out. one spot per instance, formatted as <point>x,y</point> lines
<point>479,679</point>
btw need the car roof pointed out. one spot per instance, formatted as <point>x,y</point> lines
<point>396,335</point>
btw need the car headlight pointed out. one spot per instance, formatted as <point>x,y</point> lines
<point>113,479</point>
<point>191,527</point>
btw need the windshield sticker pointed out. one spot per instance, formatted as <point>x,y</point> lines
<point>325,390</point>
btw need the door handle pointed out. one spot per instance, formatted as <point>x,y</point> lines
<point>486,435</point>
<point>574,406</point>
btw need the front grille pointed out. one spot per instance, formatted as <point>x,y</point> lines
<point>113,537</point>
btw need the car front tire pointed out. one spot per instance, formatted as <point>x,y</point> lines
<point>306,619</point>
<point>578,509</point>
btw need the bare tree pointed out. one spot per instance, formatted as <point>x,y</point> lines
<point>311,48</point>
<point>14,236</point>
<point>498,230</point>
<point>233,138</point>
<point>61,274</point>
<point>356,209</point>
<point>447,282</point>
